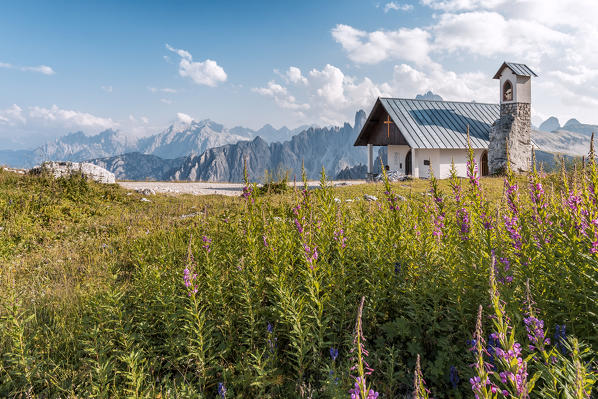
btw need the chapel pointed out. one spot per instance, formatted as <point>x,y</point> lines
<point>424,135</point>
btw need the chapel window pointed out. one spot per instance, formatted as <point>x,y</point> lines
<point>507,93</point>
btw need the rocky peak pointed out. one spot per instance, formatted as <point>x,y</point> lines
<point>550,125</point>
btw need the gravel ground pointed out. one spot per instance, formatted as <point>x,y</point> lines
<point>202,188</point>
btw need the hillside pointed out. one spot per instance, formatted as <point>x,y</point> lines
<point>181,295</point>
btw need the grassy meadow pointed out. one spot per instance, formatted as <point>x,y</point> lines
<point>260,296</point>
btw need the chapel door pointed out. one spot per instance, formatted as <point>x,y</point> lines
<point>408,163</point>
<point>484,163</point>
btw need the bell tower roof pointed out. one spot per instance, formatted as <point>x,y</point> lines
<point>517,69</point>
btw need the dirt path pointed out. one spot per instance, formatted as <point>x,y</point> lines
<point>203,188</point>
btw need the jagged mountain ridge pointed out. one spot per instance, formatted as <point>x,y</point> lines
<point>137,166</point>
<point>187,139</point>
<point>178,140</point>
<point>331,148</point>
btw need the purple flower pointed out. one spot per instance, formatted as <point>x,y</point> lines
<point>221,390</point>
<point>454,377</point>
<point>333,353</point>
<point>206,240</point>
<point>269,328</point>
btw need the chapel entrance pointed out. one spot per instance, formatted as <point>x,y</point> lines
<point>408,163</point>
<point>484,163</point>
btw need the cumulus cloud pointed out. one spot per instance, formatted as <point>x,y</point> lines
<point>182,117</point>
<point>43,69</point>
<point>397,7</point>
<point>294,75</point>
<point>207,72</point>
<point>69,118</point>
<point>107,89</point>
<point>27,127</point>
<point>363,47</point>
<point>281,96</point>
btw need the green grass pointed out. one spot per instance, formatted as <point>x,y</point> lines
<point>92,300</point>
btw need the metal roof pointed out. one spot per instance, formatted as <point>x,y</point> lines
<point>518,69</point>
<point>438,124</point>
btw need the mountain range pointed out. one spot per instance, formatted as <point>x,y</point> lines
<point>178,140</point>
<point>330,147</point>
<point>205,150</point>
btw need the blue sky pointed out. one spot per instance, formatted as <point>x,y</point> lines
<point>138,66</point>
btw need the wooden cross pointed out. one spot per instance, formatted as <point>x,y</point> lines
<point>388,122</point>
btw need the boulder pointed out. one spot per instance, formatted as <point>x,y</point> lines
<point>393,176</point>
<point>146,191</point>
<point>65,169</point>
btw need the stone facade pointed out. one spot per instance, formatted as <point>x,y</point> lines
<point>64,169</point>
<point>513,128</point>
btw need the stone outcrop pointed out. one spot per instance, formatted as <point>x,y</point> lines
<point>65,169</point>
<point>513,128</point>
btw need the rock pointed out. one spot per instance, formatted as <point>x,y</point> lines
<point>146,191</point>
<point>393,176</point>
<point>17,171</point>
<point>145,200</point>
<point>368,197</point>
<point>65,169</point>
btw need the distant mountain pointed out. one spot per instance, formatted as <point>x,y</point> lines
<point>269,133</point>
<point>562,142</point>
<point>550,125</point>
<point>316,147</point>
<point>573,125</point>
<point>178,140</point>
<point>137,166</point>
<point>428,96</point>
<point>186,139</point>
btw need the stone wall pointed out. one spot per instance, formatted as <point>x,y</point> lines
<point>513,128</point>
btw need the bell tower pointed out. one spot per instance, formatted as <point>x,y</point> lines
<point>513,128</point>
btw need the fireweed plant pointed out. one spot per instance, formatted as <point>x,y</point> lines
<point>104,296</point>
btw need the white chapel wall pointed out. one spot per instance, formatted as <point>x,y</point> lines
<point>396,157</point>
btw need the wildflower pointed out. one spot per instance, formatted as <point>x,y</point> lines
<point>419,385</point>
<point>454,377</point>
<point>339,236</point>
<point>560,336</point>
<point>265,241</point>
<point>206,243</point>
<point>221,390</point>
<point>333,353</point>
<point>269,328</point>
<point>188,279</point>
<point>397,267</point>
<point>463,221</point>
<point>360,390</point>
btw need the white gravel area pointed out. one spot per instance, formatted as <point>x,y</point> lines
<point>206,188</point>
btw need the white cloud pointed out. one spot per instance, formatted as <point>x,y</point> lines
<point>69,118</point>
<point>206,72</point>
<point>144,119</point>
<point>397,6</point>
<point>489,34</point>
<point>373,47</point>
<point>294,75</point>
<point>184,118</point>
<point>166,101</point>
<point>162,90</point>
<point>107,89</point>
<point>12,115</point>
<point>43,69</point>
<point>281,96</point>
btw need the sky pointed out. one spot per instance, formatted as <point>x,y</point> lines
<point>138,66</point>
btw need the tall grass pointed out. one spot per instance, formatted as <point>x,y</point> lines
<point>102,295</point>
